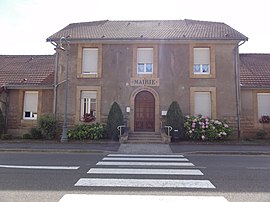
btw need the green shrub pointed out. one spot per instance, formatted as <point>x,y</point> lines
<point>175,119</point>
<point>36,133</point>
<point>27,136</point>
<point>203,128</point>
<point>115,119</point>
<point>47,126</point>
<point>1,122</point>
<point>6,137</point>
<point>86,131</point>
<point>261,134</point>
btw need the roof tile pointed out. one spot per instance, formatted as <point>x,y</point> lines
<point>255,70</point>
<point>33,70</point>
<point>149,30</point>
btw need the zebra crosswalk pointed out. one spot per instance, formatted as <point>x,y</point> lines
<point>150,165</point>
<point>144,171</point>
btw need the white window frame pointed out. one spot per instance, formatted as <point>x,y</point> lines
<point>263,98</point>
<point>33,113</point>
<point>201,64</point>
<point>88,101</point>
<point>144,64</point>
<point>95,72</point>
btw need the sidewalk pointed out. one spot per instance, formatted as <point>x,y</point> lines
<point>109,146</point>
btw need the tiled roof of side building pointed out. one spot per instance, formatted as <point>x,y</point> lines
<point>255,70</point>
<point>27,70</point>
<point>149,30</point>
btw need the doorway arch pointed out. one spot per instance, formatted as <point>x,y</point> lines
<point>144,106</point>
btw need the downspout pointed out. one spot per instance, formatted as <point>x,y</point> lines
<point>5,111</point>
<point>237,86</point>
<point>55,84</point>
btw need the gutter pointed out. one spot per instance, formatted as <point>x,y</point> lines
<point>237,87</point>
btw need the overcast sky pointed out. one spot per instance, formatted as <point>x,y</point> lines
<point>25,24</point>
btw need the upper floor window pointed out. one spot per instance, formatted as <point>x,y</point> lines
<point>30,106</point>
<point>201,60</point>
<point>90,61</point>
<point>145,60</point>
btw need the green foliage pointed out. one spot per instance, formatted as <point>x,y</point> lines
<point>47,126</point>
<point>203,128</point>
<point>175,119</point>
<point>261,134</point>
<point>27,136</point>
<point>86,131</point>
<point>6,137</point>
<point>36,133</point>
<point>1,122</point>
<point>115,119</point>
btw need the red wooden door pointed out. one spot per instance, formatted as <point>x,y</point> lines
<point>144,112</point>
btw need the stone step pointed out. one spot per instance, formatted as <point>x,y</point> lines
<point>144,137</point>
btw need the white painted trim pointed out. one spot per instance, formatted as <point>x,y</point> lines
<point>144,171</point>
<point>107,163</point>
<point>146,155</point>
<point>42,167</point>
<point>152,183</point>
<point>141,198</point>
<point>143,159</point>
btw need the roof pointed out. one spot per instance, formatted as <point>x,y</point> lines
<point>149,30</point>
<point>27,70</point>
<point>255,70</point>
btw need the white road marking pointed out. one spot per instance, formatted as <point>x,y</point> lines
<point>42,167</point>
<point>143,159</point>
<point>144,171</point>
<point>141,198</point>
<point>104,163</point>
<point>258,168</point>
<point>151,183</point>
<point>146,155</point>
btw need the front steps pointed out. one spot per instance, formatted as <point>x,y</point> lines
<point>144,137</point>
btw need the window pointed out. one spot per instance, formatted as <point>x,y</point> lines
<point>201,60</point>
<point>88,105</point>
<point>90,61</point>
<point>263,104</point>
<point>202,103</point>
<point>30,105</point>
<point>144,60</point>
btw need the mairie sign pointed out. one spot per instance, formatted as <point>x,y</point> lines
<point>144,81</point>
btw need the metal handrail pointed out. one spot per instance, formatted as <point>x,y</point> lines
<point>120,129</point>
<point>169,128</point>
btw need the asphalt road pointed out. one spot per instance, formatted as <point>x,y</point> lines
<point>49,176</point>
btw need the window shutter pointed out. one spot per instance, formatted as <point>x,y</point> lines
<point>263,104</point>
<point>202,103</point>
<point>201,55</point>
<point>145,55</point>
<point>88,94</point>
<point>30,101</point>
<point>90,60</point>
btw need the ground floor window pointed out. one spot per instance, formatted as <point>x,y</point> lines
<point>88,105</point>
<point>30,106</point>
<point>202,104</point>
<point>203,101</point>
<point>263,106</point>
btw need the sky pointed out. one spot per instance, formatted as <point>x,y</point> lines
<point>26,24</point>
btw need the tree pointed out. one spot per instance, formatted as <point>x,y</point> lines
<point>115,119</point>
<point>175,119</point>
